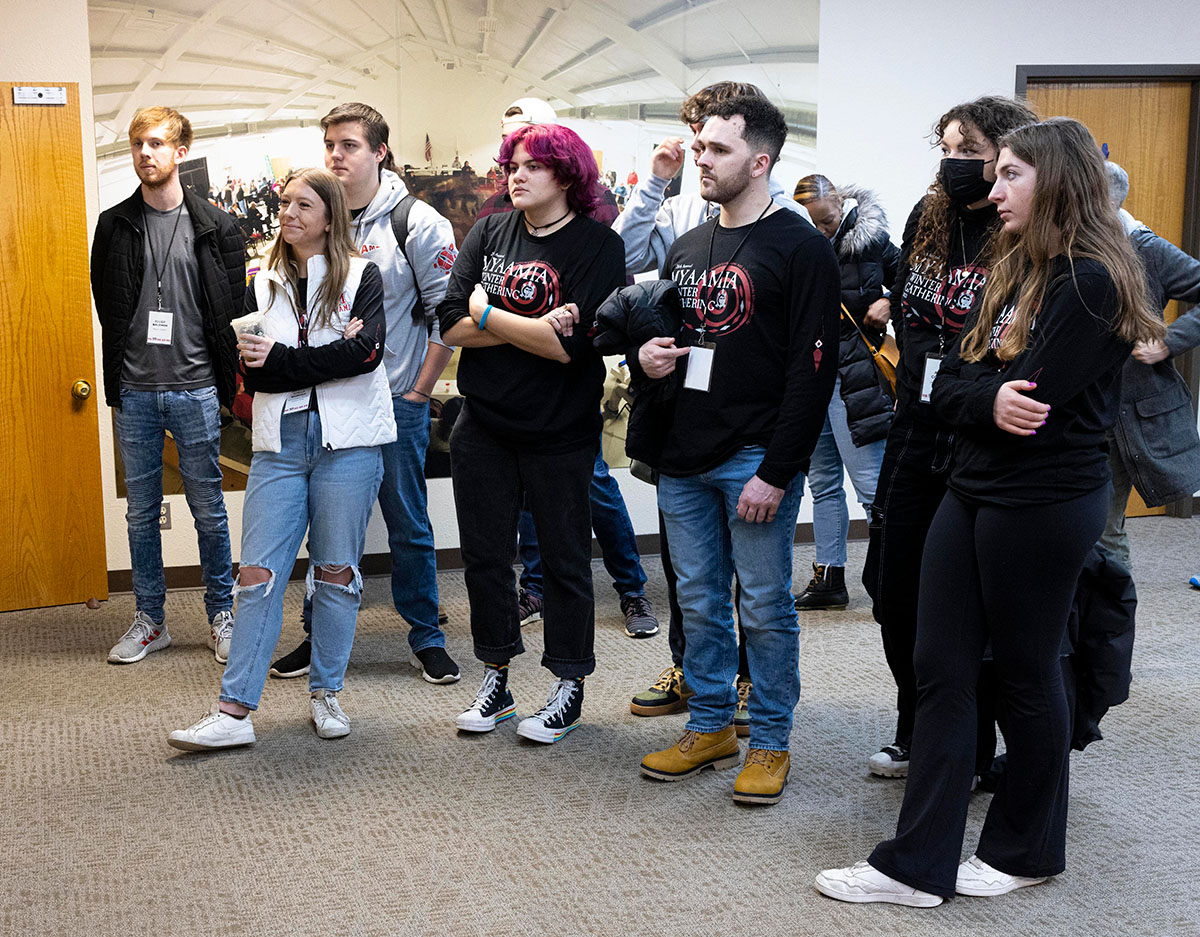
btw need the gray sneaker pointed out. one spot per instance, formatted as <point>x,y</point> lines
<point>220,633</point>
<point>142,637</point>
<point>328,717</point>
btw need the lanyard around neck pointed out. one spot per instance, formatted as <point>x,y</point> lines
<point>158,274</point>
<point>708,269</point>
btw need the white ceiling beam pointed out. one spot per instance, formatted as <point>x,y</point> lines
<point>585,56</point>
<point>609,22</point>
<point>443,15</point>
<point>153,70</point>
<point>217,61</point>
<point>324,75</point>
<point>671,12</point>
<point>540,31</point>
<point>795,55</point>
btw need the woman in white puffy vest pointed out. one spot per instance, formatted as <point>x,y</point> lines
<point>322,409</point>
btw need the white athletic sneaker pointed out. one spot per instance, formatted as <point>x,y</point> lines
<point>891,761</point>
<point>220,633</point>
<point>977,878</point>
<point>328,717</point>
<point>863,882</point>
<point>142,637</point>
<point>216,730</point>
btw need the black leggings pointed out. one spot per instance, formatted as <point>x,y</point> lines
<point>1008,575</point>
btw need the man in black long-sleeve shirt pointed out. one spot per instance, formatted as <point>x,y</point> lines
<point>760,297</point>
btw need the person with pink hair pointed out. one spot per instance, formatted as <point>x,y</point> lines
<point>521,303</point>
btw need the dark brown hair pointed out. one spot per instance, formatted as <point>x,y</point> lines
<point>375,128</point>
<point>700,104</point>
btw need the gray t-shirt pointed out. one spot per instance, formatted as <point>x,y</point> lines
<point>184,364</point>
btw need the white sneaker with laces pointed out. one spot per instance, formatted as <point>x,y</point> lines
<point>216,730</point>
<point>142,637</point>
<point>328,717</point>
<point>978,879</point>
<point>863,882</point>
<point>559,716</point>
<point>220,633</point>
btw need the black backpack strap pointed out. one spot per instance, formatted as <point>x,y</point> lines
<point>400,230</point>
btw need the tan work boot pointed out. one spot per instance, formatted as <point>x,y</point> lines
<point>763,777</point>
<point>694,752</point>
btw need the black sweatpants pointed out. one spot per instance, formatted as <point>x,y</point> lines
<point>489,475</point>
<point>1007,574</point>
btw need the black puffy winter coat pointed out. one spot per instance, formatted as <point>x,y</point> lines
<point>118,265</point>
<point>868,260</point>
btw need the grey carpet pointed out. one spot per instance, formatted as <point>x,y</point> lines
<point>406,828</point>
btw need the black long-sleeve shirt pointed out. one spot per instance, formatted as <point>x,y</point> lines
<point>773,316</point>
<point>928,310</point>
<point>1075,360</point>
<point>287,369</point>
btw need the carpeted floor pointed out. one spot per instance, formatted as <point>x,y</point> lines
<point>406,828</point>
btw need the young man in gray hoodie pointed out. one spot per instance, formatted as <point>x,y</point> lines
<point>356,151</point>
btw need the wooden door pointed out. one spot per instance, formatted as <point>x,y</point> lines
<point>51,507</point>
<point>1145,124</point>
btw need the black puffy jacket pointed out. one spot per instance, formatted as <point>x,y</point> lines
<point>868,260</point>
<point>629,318</point>
<point>118,265</point>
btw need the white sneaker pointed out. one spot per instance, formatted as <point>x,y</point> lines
<point>142,637</point>
<point>863,882</point>
<point>328,717</point>
<point>977,878</point>
<point>220,633</point>
<point>216,730</point>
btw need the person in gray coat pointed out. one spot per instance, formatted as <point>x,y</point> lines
<point>1154,446</point>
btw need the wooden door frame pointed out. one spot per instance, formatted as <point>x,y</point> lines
<point>1187,364</point>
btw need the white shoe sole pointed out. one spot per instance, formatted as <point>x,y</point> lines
<point>888,771</point>
<point>531,619</point>
<point>468,722</point>
<point>641,634</point>
<point>991,891</point>
<point>156,645</point>
<point>332,730</point>
<point>536,732</point>
<point>184,744</point>
<point>832,890</point>
<point>449,678</point>
<point>281,675</point>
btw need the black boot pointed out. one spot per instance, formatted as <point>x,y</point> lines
<point>826,590</point>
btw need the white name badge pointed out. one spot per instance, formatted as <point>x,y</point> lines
<point>932,363</point>
<point>699,367</point>
<point>159,327</point>
<point>297,400</point>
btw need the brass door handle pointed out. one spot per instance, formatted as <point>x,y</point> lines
<point>81,390</point>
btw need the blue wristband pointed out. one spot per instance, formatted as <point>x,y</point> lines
<point>483,318</point>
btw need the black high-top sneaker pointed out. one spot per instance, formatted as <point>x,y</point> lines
<point>826,590</point>
<point>493,703</point>
<point>560,714</point>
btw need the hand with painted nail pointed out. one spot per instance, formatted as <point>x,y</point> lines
<point>1016,413</point>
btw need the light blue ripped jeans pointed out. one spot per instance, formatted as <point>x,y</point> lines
<point>329,493</point>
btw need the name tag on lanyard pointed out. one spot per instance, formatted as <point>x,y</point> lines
<point>159,327</point>
<point>932,363</point>
<point>699,366</point>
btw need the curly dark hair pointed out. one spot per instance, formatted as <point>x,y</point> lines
<point>700,104</point>
<point>989,117</point>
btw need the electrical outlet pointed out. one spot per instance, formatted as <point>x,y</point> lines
<point>164,516</point>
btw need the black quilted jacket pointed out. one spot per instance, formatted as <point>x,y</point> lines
<point>118,262</point>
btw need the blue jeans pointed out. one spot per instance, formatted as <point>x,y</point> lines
<point>194,421</point>
<point>614,533</point>
<point>330,494</point>
<point>835,450</point>
<point>403,501</point>
<point>709,543</point>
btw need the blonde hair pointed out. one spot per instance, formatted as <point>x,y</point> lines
<point>1070,214</point>
<point>179,128</point>
<point>339,246</point>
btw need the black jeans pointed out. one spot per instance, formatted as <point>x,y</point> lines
<point>489,476</point>
<point>912,481</point>
<point>1014,571</point>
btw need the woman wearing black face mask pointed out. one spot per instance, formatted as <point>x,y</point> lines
<point>943,269</point>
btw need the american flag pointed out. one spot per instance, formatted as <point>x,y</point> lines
<point>428,150</point>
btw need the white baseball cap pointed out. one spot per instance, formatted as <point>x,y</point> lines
<point>526,111</point>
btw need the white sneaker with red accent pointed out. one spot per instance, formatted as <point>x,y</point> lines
<point>142,637</point>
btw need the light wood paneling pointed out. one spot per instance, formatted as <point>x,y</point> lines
<point>1145,124</point>
<point>51,508</point>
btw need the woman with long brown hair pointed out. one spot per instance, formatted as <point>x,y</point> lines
<point>1031,391</point>
<point>944,266</point>
<point>322,410</point>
